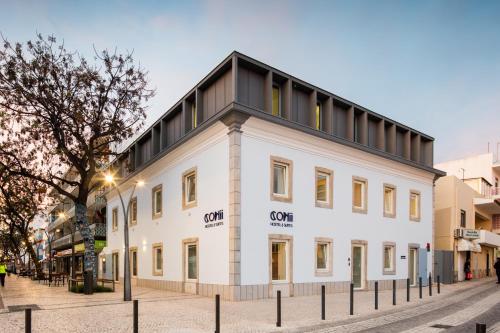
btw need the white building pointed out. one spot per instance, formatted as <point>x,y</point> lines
<point>257,181</point>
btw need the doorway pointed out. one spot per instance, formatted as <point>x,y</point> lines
<point>133,265</point>
<point>191,267</point>
<point>358,266</point>
<point>115,267</point>
<point>413,266</point>
<point>280,265</point>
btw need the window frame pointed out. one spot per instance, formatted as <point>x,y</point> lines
<point>364,195</point>
<point>288,196</point>
<point>328,271</point>
<point>115,269</point>
<point>394,201</point>
<point>391,270</point>
<point>114,219</point>
<point>154,247</point>
<point>329,190</point>
<point>189,204</point>
<point>131,221</point>
<point>463,214</point>
<point>419,206</point>
<point>154,190</point>
<point>131,259</point>
<point>288,240</point>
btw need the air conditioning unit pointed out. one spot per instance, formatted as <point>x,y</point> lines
<point>459,233</point>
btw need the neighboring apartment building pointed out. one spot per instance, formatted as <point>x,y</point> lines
<point>256,181</point>
<point>66,241</point>
<point>467,211</point>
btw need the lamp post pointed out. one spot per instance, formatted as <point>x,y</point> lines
<point>127,288</point>
<point>50,238</point>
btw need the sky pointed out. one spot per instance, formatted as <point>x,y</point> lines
<point>432,65</point>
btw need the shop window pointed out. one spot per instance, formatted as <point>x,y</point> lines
<point>389,258</point>
<point>359,195</point>
<point>157,201</point>
<point>324,253</point>
<point>324,187</point>
<point>389,201</point>
<point>414,206</point>
<point>157,259</point>
<point>281,179</point>
<point>189,188</point>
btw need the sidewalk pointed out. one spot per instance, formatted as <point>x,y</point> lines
<point>163,311</point>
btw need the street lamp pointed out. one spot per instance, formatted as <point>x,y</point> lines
<point>127,288</point>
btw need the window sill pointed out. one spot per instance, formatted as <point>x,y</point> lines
<point>389,272</point>
<point>322,273</point>
<point>322,204</point>
<point>281,198</point>
<point>390,215</point>
<point>359,210</point>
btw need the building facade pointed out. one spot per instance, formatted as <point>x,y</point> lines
<point>468,215</point>
<point>257,181</point>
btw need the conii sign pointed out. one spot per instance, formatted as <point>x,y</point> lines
<point>214,219</point>
<point>281,219</point>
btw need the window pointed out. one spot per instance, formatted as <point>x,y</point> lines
<point>157,259</point>
<point>103,266</point>
<point>319,116</point>
<point>389,258</point>
<point>414,206</point>
<point>463,218</point>
<point>194,116</point>
<point>389,200</point>
<point>324,187</point>
<point>133,212</point>
<point>359,195</point>
<point>189,189</point>
<point>116,266</point>
<point>276,101</point>
<point>114,219</point>
<point>157,201</point>
<point>323,250</point>
<point>281,179</point>
<point>279,261</point>
<point>133,261</point>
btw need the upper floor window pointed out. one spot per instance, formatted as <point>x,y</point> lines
<point>319,116</point>
<point>281,179</point>
<point>276,101</point>
<point>389,200</point>
<point>324,187</point>
<point>189,190</point>
<point>114,219</point>
<point>133,211</point>
<point>359,195</point>
<point>414,205</point>
<point>157,201</point>
<point>463,218</point>
<point>194,116</point>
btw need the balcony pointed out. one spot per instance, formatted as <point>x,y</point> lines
<point>98,229</point>
<point>489,238</point>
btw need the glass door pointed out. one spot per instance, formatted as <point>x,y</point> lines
<point>116,266</point>
<point>192,271</point>
<point>412,267</point>
<point>358,266</point>
<point>279,264</point>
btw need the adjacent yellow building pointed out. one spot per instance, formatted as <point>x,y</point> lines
<point>467,217</point>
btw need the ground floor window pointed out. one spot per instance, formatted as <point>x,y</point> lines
<point>133,261</point>
<point>116,266</point>
<point>323,251</point>
<point>389,258</point>
<point>157,259</point>
<point>279,261</point>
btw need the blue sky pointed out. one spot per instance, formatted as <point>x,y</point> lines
<point>433,65</point>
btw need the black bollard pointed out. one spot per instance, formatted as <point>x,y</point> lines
<point>323,303</point>
<point>430,284</point>
<point>136,316</point>
<point>407,290</point>
<point>278,308</point>
<point>217,313</point>
<point>480,328</point>
<point>393,292</point>
<point>439,284</point>
<point>351,300</point>
<point>27,321</point>
<point>420,287</point>
<point>376,295</point>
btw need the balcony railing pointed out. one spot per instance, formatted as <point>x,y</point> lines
<point>495,191</point>
<point>98,229</point>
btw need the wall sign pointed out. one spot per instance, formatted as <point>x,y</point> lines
<point>214,219</point>
<point>470,233</point>
<point>281,219</point>
<point>403,257</point>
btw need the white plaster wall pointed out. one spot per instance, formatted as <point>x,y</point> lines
<point>259,142</point>
<point>474,166</point>
<point>209,153</point>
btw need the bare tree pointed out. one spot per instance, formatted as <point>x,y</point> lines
<point>61,116</point>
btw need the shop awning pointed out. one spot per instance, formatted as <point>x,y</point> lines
<point>467,245</point>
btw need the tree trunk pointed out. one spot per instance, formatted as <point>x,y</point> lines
<point>34,257</point>
<point>88,239</point>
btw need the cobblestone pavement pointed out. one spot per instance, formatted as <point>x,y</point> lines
<point>459,305</point>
